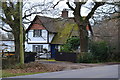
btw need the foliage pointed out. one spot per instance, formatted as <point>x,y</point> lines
<point>8,63</point>
<point>85,57</point>
<point>100,50</point>
<point>99,53</point>
<point>71,45</point>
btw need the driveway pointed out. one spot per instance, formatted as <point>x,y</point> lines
<point>109,71</point>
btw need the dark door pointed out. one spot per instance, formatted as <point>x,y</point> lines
<point>53,50</point>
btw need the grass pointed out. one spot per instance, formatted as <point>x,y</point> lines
<point>8,74</point>
<point>47,60</point>
<point>0,73</point>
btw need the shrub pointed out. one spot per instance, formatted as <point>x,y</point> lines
<point>65,48</point>
<point>100,51</point>
<point>85,57</point>
<point>71,45</point>
<point>8,63</point>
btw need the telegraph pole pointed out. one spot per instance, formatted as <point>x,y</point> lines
<point>21,35</point>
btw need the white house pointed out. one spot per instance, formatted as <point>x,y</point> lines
<point>40,34</point>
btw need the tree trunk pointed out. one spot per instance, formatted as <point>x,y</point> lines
<point>83,39</point>
<point>17,47</point>
<point>83,34</point>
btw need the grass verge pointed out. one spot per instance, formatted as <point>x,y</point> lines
<point>8,74</point>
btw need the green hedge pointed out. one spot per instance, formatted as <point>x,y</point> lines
<point>85,57</point>
<point>100,51</point>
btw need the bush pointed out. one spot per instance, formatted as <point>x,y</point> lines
<point>100,51</point>
<point>85,57</point>
<point>71,45</point>
<point>8,63</point>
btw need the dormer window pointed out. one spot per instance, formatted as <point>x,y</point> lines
<point>37,33</point>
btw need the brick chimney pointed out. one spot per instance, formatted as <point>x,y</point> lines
<point>64,13</point>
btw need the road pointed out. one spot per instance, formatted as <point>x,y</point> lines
<point>109,71</point>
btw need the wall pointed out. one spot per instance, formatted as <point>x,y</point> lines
<point>29,47</point>
<point>42,39</point>
<point>51,35</point>
<point>11,47</point>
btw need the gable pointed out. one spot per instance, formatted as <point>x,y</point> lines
<point>36,25</point>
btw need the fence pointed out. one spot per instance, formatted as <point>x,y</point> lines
<point>66,56</point>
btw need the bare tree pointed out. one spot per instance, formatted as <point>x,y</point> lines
<point>82,22</point>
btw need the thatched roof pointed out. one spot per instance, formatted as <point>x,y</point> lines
<point>64,33</point>
<point>64,28</point>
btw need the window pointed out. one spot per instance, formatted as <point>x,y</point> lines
<point>37,48</point>
<point>37,33</point>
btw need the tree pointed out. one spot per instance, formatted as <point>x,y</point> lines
<point>82,22</point>
<point>12,13</point>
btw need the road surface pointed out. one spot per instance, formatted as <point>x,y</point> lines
<point>109,71</point>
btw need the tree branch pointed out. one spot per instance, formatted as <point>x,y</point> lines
<point>8,11</point>
<point>11,4</point>
<point>5,29</point>
<point>57,3</point>
<point>70,6</point>
<point>4,20</point>
<point>97,4</point>
<point>31,14</point>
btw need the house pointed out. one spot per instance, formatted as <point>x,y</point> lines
<point>48,33</point>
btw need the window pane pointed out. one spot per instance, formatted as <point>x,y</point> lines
<point>33,33</point>
<point>37,48</point>
<point>34,50</point>
<point>37,33</point>
<point>40,32</point>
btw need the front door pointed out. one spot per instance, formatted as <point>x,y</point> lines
<point>53,50</point>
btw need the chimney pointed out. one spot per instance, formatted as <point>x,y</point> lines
<point>64,13</point>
